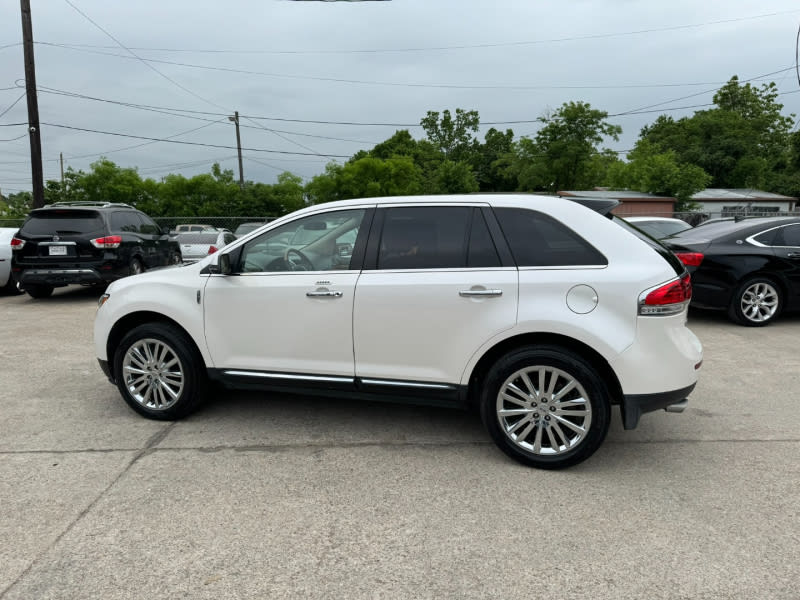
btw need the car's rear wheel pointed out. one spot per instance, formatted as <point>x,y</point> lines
<point>175,258</point>
<point>136,266</point>
<point>11,286</point>
<point>159,372</point>
<point>545,407</point>
<point>39,291</point>
<point>756,302</point>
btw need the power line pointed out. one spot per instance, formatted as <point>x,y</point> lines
<point>490,86</point>
<point>283,137</point>
<point>136,56</point>
<point>455,47</point>
<point>13,104</point>
<point>141,137</point>
<point>16,138</point>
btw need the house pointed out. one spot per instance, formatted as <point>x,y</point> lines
<point>718,202</point>
<point>632,203</point>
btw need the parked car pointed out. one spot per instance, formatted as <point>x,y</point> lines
<point>246,228</point>
<point>195,246</point>
<point>750,267</point>
<point>193,227</point>
<point>7,283</point>
<point>659,227</point>
<point>87,243</point>
<point>539,312</point>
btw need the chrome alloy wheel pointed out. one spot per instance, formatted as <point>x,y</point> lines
<point>759,302</point>
<point>153,374</point>
<point>544,410</point>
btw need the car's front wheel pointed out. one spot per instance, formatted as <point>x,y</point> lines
<point>545,407</point>
<point>159,371</point>
<point>756,302</point>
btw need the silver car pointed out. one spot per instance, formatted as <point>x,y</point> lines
<point>196,246</point>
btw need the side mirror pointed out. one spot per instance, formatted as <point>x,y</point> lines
<point>224,264</point>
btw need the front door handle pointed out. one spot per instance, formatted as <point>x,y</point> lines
<point>470,293</point>
<point>324,294</point>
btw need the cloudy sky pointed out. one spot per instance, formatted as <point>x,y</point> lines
<point>314,81</point>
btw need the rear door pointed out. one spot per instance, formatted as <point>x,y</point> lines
<point>433,291</point>
<point>156,244</point>
<point>787,249</point>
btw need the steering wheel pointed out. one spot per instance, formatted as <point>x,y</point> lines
<point>301,264</point>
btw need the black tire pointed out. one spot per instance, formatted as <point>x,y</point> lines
<point>10,287</point>
<point>544,411</point>
<point>136,266</point>
<point>175,258</point>
<point>186,397</point>
<point>756,302</point>
<point>39,291</point>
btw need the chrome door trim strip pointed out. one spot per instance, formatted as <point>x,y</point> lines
<point>264,375</point>
<point>430,386</point>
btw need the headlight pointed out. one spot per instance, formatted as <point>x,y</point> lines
<point>102,300</point>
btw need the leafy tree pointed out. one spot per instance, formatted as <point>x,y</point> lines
<point>561,155</point>
<point>743,142</point>
<point>453,177</point>
<point>366,177</point>
<point>660,173</point>
<point>492,159</point>
<point>16,206</point>
<point>454,138</point>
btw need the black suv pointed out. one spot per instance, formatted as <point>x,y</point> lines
<point>87,243</point>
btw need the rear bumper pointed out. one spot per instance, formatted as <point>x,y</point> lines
<point>634,405</point>
<point>58,277</point>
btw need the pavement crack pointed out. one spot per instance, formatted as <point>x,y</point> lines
<point>148,447</point>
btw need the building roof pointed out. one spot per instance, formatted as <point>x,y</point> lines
<point>617,195</point>
<point>740,195</point>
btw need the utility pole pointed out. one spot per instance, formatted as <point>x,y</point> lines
<point>33,105</point>
<point>61,158</point>
<point>235,120</point>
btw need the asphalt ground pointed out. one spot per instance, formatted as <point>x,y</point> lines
<point>289,497</point>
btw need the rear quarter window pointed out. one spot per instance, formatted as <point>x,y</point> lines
<point>539,240</point>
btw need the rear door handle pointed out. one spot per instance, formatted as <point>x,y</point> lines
<point>324,294</point>
<point>470,293</point>
<point>793,255</point>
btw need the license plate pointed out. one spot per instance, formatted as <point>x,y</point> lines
<point>58,250</point>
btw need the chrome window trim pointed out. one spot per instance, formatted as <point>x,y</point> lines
<point>752,241</point>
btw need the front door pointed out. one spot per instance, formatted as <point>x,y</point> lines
<point>288,307</point>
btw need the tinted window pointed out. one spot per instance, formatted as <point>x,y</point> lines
<point>482,252</point>
<point>63,222</point>
<point>767,238</point>
<point>125,221</point>
<point>148,226</point>
<point>790,235</point>
<point>424,237</point>
<point>538,240</point>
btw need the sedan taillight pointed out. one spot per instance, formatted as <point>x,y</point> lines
<point>669,299</point>
<point>17,244</point>
<point>690,259</point>
<point>212,249</point>
<point>109,241</point>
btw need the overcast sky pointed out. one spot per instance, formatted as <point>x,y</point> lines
<point>359,62</point>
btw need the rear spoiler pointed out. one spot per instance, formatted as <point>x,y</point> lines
<point>604,206</point>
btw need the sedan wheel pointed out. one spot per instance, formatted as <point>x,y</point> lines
<point>756,302</point>
<point>545,407</point>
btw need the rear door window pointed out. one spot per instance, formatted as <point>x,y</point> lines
<point>63,222</point>
<point>789,236</point>
<point>125,221</point>
<point>424,237</point>
<point>539,240</point>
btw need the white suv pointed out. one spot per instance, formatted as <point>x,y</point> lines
<point>539,311</point>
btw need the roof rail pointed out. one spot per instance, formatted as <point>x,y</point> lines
<point>89,203</point>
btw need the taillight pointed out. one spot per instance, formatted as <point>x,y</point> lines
<point>669,299</point>
<point>212,249</point>
<point>16,243</point>
<point>109,241</point>
<point>690,259</point>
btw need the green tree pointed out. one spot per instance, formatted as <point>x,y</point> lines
<point>453,177</point>
<point>492,159</point>
<point>453,137</point>
<point>661,173</point>
<point>16,206</point>
<point>366,177</point>
<point>561,157</point>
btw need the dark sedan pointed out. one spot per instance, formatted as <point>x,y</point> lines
<point>749,267</point>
